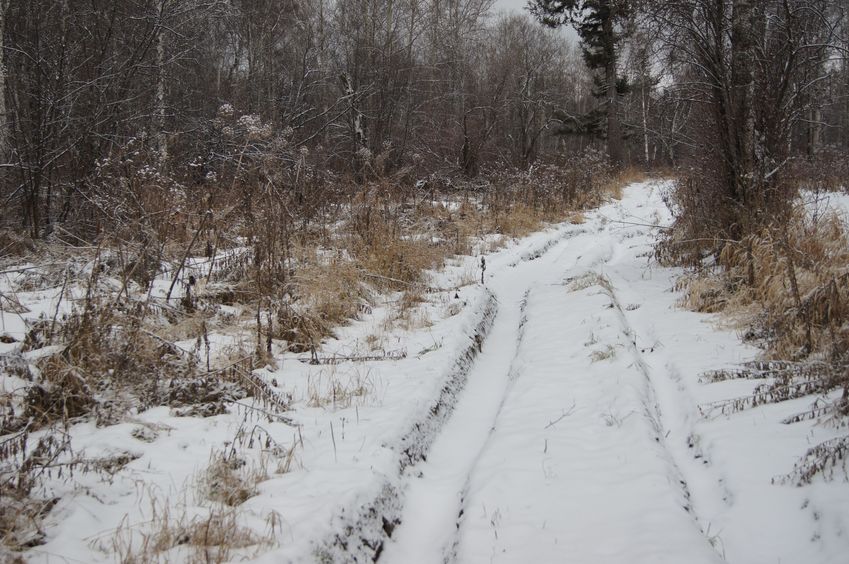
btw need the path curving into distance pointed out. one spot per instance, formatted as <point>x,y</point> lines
<point>556,450</point>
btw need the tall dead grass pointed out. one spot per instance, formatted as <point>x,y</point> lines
<point>214,537</point>
<point>623,178</point>
<point>790,282</point>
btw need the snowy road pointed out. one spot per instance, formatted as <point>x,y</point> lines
<point>555,416</point>
<point>555,451</point>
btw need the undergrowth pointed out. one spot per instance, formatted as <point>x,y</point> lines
<point>216,535</point>
<point>784,287</point>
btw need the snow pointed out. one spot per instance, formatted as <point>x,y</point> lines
<point>553,415</point>
<point>820,204</point>
<point>580,437</point>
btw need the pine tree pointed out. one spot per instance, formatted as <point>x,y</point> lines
<point>597,23</point>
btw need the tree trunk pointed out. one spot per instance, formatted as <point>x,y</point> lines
<point>468,155</point>
<point>358,128</point>
<point>4,121</point>
<point>743,46</point>
<point>614,127</point>
<point>645,122</point>
<point>159,110</point>
<point>814,132</point>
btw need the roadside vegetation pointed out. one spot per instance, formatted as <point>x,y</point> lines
<point>127,326</point>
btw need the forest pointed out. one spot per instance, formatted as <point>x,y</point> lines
<point>205,202</point>
<point>106,103</point>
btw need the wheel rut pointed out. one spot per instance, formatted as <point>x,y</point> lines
<point>519,473</point>
<point>434,490</point>
<point>572,460</point>
<point>436,486</point>
<point>367,534</point>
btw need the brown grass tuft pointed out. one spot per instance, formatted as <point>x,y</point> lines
<point>323,294</point>
<point>13,244</point>
<point>215,537</point>
<point>790,282</point>
<point>229,480</point>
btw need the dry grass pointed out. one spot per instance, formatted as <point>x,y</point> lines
<point>185,327</point>
<point>630,175</point>
<point>788,283</point>
<point>393,255</point>
<point>302,269</point>
<point>469,277</point>
<point>216,536</point>
<point>577,218</point>
<point>230,480</point>
<point>373,342</point>
<point>603,354</point>
<point>401,261</point>
<point>107,349</point>
<point>785,286</point>
<point>390,241</point>
<point>334,290</point>
<point>704,292</point>
<point>330,389</point>
<point>586,280</point>
<point>408,312</point>
<point>20,522</point>
<point>13,244</point>
<point>215,532</point>
<point>517,220</point>
<point>323,294</point>
<point>452,308</point>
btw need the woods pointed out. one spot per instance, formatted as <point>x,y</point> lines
<point>368,88</point>
<point>415,88</point>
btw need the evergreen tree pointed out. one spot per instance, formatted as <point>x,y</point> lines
<point>597,23</point>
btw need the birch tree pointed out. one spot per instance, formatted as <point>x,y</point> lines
<point>751,67</point>
<point>4,120</point>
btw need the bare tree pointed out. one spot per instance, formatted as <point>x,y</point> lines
<point>752,66</point>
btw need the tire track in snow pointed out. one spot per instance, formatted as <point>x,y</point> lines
<point>652,406</point>
<point>362,534</point>
<point>541,250</point>
<point>592,480</point>
<point>512,375</point>
<point>361,537</point>
<point>670,404</point>
<point>433,497</point>
<point>653,409</point>
<point>508,525</point>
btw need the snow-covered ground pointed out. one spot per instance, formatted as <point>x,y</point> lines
<point>554,414</point>
<point>581,438</point>
<point>819,204</point>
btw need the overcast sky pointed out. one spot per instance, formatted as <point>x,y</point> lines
<point>519,6</point>
<point>515,5</point>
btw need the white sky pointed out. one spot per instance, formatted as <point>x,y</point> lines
<point>515,5</point>
<point>519,6</point>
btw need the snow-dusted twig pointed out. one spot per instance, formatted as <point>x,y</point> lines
<point>566,414</point>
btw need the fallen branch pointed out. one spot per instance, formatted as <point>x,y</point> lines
<point>566,414</point>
